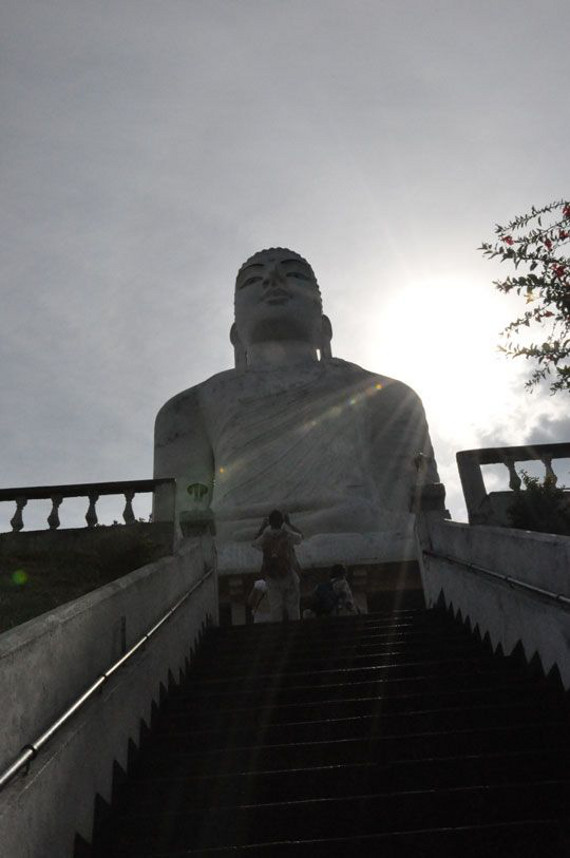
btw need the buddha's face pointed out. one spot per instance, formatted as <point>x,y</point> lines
<point>277,298</point>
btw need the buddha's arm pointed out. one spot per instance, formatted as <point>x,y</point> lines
<point>403,459</point>
<point>182,450</point>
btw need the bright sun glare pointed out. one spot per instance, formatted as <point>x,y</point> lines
<point>442,340</point>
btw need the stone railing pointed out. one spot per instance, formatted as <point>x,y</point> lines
<point>92,492</point>
<point>493,508</point>
<point>512,585</point>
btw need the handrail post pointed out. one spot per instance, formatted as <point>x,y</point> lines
<point>128,514</point>
<point>53,518</point>
<point>472,482</point>
<point>17,521</point>
<point>91,514</point>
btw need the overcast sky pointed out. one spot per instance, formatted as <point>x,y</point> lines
<point>147,149</point>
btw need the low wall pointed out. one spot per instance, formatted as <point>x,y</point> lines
<point>47,663</point>
<point>508,614</point>
<point>86,541</point>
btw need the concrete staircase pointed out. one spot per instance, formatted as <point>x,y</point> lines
<point>396,734</point>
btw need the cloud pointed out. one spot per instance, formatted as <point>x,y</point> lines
<point>148,150</point>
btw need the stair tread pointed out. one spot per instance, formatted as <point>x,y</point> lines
<point>437,666</point>
<point>405,704</point>
<point>396,747</point>
<point>398,686</point>
<point>500,840</point>
<point>372,725</point>
<point>369,814</point>
<point>356,778</point>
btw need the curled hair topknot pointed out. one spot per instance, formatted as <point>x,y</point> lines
<point>268,250</point>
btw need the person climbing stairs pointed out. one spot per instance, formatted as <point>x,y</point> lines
<point>397,734</point>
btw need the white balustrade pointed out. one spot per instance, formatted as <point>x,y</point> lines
<point>91,491</point>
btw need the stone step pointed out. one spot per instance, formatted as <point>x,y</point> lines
<point>302,647</point>
<point>331,727</point>
<point>326,631</point>
<point>192,720</point>
<point>395,696</point>
<point>269,661</point>
<point>220,693</point>
<point>164,757</point>
<point>391,735</point>
<point>337,636</point>
<point>415,668</point>
<point>337,781</point>
<point>323,635</point>
<point>180,828</point>
<point>355,620</point>
<point>534,838</point>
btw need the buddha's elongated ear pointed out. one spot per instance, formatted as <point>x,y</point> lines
<point>326,337</point>
<point>240,359</point>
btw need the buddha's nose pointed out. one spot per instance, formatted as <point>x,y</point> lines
<point>274,276</point>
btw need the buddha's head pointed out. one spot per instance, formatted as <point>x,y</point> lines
<point>277,297</point>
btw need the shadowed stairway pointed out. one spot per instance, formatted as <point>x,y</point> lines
<point>394,734</point>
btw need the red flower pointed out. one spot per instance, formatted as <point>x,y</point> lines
<point>508,240</point>
<point>558,270</point>
<point>563,234</point>
<point>566,210</point>
<point>548,243</point>
<point>547,313</point>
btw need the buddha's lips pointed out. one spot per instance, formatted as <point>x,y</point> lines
<point>279,298</point>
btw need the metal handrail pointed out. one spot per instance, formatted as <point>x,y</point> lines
<point>514,583</point>
<point>30,751</point>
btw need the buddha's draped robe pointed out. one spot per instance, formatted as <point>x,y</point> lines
<point>332,444</point>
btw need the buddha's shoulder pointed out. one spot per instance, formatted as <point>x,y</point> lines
<point>225,386</point>
<point>351,373</point>
<point>193,397</point>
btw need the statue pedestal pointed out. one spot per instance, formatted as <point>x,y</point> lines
<point>382,567</point>
<point>324,550</point>
<point>383,587</point>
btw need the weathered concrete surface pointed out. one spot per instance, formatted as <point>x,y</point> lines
<point>48,662</point>
<point>508,615</point>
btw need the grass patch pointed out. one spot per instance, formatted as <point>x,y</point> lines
<point>33,581</point>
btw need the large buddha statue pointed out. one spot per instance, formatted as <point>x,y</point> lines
<point>293,428</point>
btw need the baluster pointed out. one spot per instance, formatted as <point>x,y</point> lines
<point>91,514</point>
<point>549,473</point>
<point>17,521</point>
<point>515,480</point>
<point>128,514</point>
<point>53,517</point>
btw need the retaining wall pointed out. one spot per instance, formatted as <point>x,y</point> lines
<point>48,662</point>
<point>508,614</point>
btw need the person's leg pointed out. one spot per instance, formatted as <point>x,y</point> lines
<point>275,596</point>
<point>292,595</point>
